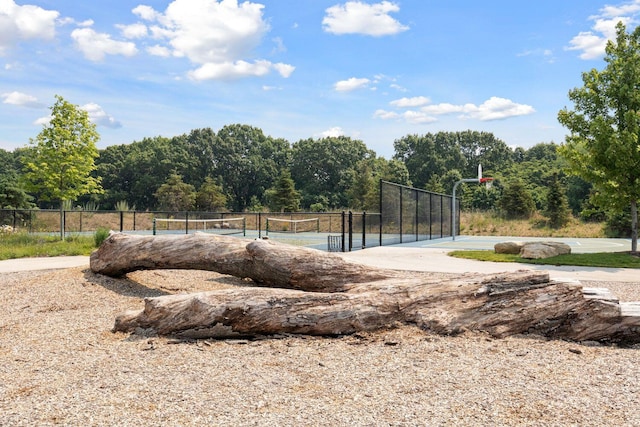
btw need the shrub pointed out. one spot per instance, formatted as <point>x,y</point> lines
<point>101,234</point>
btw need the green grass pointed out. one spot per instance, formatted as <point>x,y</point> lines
<point>23,245</point>
<point>600,259</point>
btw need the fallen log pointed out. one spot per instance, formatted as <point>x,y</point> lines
<point>349,297</point>
<point>266,262</point>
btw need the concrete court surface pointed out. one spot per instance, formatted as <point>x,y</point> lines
<point>431,255</point>
<point>428,255</point>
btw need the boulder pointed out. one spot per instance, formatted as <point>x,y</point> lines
<point>538,250</point>
<point>513,248</point>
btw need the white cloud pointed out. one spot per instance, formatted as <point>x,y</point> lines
<point>418,117</point>
<point>385,115</point>
<point>333,132</point>
<point>42,121</point>
<point>592,43</point>
<point>497,109</point>
<point>356,17</point>
<point>285,70</point>
<point>24,23</point>
<point>133,31</point>
<point>98,116</point>
<point>230,70</point>
<point>219,36</point>
<point>443,108</point>
<point>494,108</point>
<point>22,100</point>
<point>397,87</point>
<point>158,50</point>
<point>146,12</point>
<point>95,46</point>
<point>351,84</point>
<point>410,102</point>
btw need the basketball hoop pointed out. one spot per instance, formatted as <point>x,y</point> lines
<point>488,182</point>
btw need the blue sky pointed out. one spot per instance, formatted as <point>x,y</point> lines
<point>297,69</point>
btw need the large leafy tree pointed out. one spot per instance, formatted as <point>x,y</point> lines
<point>603,145</point>
<point>436,154</point>
<point>323,169</point>
<point>62,158</point>
<point>247,163</point>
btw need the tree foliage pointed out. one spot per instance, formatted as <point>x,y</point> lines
<point>248,162</point>
<point>62,156</point>
<point>283,196</point>
<point>516,201</point>
<point>557,206</point>
<point>323,169</point>
<point>603,146</point>
<point>210,197</point>
<point>176,195</point>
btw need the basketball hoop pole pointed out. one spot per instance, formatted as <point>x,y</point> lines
<point>479,180</point>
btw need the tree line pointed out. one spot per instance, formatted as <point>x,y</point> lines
<point>240,168</point>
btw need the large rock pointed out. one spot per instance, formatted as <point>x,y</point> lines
<point>512,248</point>
<point>538,250</point>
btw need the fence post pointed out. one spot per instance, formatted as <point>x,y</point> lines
<point>344,218</point>
<point>259,225</point>
<point>430,215</point>
<point>401,214</point>
<point>441,216</point>
<point>134,220</point>
<point>14,220</point>
<point>350,231</point>
<point>121,221</point>
<point>186,222</point>
<point>416,221</point>
<point>364,229</point>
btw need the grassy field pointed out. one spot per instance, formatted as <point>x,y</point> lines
<point>23,245</point>
<point>602,259</point>
<point>490,224</point>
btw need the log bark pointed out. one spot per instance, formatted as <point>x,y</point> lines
<point>266,262</point>
<point>327,295</point>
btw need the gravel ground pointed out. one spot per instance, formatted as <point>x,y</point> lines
<point>61,365</point>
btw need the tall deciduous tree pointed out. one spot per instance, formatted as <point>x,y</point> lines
<point>62,157</point>
<point>603,145</point>
<point>323,168</point>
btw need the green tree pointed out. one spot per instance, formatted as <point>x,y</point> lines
<point>436,154</point>
<point>210,196</point>
<point>516,201</point>
<point>247,162</point>
<point>62,157</point>
<point>175,195</point>
<point>604,126</point>
<point>283,196</point>
<point>557,205</point>
<point>324,169</point>
<point>12,194</point>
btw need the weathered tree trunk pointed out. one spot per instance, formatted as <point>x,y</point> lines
<point>348,297</point>
<point>264,261</point>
